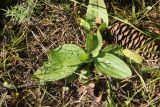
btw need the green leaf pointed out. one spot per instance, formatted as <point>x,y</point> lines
<point>112,66</point>
<point>114,49</point>
<point>68,55</point>
<point>91,38</point>
<point>98,44</point>
<point>97,9</point>
<point>94,43</point>
<point>132,55</point>
<point>63,61</point>
<point>85,24</point>
<point>51,72</point>
<point>102,27</point>
<point>110,48</point>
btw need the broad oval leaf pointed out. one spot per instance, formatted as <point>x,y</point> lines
<point>68,55</point>
<point>132,55</point>
<point>97,9</point>
<point>112,66</point>
<point>51,72</point>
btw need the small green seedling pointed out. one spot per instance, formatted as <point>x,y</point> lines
<point>66,60</point>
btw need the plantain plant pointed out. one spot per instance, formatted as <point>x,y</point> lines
<point>67,59</point>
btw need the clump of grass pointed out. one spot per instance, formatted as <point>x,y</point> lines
<point>21,13</point>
